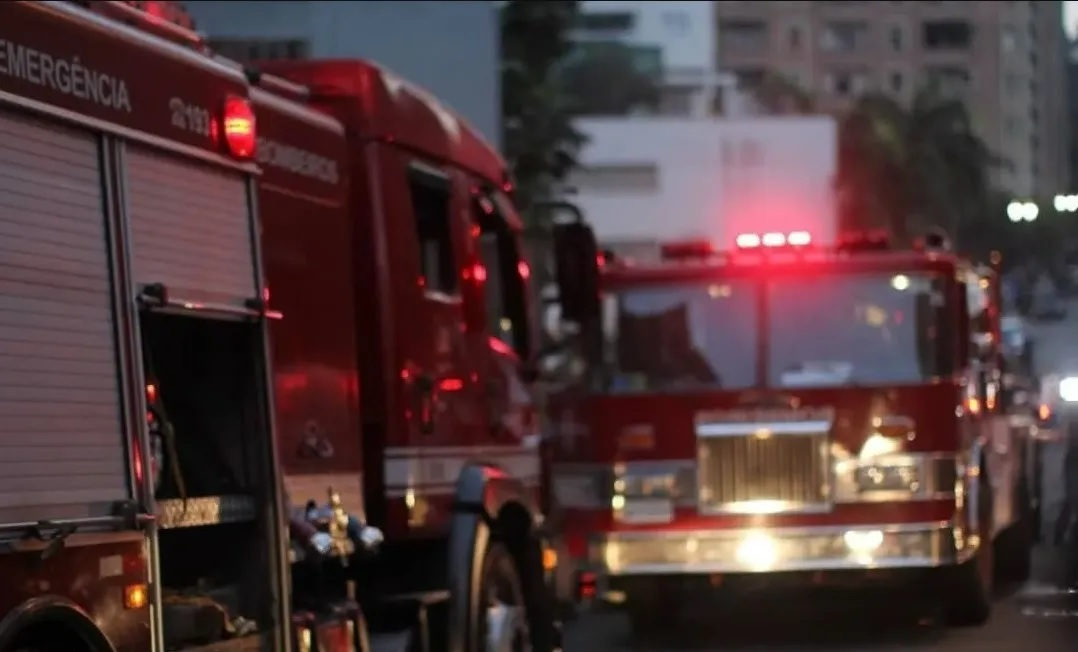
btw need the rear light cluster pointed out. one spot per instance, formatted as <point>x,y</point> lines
<point>773,240</point>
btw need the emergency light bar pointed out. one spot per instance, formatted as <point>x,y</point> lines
<point>773,239</point>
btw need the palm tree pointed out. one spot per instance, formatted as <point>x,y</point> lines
<point>907,169</point>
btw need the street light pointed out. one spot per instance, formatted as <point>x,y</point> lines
<point>1022,211</point>
<point>1065,203</point>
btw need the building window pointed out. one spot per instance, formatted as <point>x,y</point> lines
<point>616,178</point>
<point>244,50</point>
<point>897,82</point>
<point>844,83</point>
<point>947,35</point>
<point>896,35</point>
<point>794,38</point>
<point>1008,39</point>
<point>844,36</point>
<point>607,22</point>
<point>739,35</point>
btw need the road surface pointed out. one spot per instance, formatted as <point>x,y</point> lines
<point>1036,616</point>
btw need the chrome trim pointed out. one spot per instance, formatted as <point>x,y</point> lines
<point>818,431</point>
<point>915,545</point>
<point>750,429</point>
<point>938,474</point>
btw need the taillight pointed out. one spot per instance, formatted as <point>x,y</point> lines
<point>238,124</point>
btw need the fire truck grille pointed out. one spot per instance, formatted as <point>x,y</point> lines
<point>776,474</point>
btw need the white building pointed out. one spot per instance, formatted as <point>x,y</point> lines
<point>644,181</point>
<point>683,34</point>
<point>648,176</point>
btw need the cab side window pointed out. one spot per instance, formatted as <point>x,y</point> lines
<point>430,193</point>
<point>505,288</point>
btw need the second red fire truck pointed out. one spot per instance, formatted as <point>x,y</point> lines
<point>787,414</point>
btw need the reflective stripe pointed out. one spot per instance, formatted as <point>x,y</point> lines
<point>435,468</point>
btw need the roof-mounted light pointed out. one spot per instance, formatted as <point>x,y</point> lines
<point>773,240</point>
<point>238,125</point>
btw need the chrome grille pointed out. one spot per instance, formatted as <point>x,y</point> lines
<point>788,470</point>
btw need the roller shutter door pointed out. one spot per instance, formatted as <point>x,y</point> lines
<point>190,227</point>
<point>62,452</point>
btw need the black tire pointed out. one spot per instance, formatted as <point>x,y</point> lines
<point>1014,547</point>
<point>529,629</point>
<point>969,601</point>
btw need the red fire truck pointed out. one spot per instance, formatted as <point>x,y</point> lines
<point>199,307</point>
<point>791,415</point>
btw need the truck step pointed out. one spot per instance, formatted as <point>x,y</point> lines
<point>391,642</point>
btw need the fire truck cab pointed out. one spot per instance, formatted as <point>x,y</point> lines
<point>392,248</point>
<point>790,415</point>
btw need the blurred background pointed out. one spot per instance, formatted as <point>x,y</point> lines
<point>953,114</point>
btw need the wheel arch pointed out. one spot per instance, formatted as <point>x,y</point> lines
<point>53,612</point>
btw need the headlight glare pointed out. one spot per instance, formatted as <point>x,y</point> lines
<point>1068,389</point>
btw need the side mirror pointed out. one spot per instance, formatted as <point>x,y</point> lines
<point>577,270</point>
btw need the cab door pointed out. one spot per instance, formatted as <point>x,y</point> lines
<point>511,437</point>
<point>435,386</point>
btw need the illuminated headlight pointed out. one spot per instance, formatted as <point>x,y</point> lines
<point>882,467</point>
<point>646,484</point>
<point>889,475</point>
<point>645,493</point>
<point>1068,389</point>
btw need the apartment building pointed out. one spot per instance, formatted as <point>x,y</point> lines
<point>1005,59</point>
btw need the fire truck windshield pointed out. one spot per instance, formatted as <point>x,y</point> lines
<point>682,337</point>
<point>863,329</point>
<point>819,331</point>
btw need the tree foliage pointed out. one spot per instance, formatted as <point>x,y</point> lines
<point>603,79</point>
<point>539,139</point>
<point>908,168</point>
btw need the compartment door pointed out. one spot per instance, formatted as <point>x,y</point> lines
<point>62,450</point>
<point>190,228</point>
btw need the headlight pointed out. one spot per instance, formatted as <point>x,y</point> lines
<point>646,484</point>
<point>646,492</point>
<point>890,475</point>
<point>881,466</point>
<point>1068,389</point>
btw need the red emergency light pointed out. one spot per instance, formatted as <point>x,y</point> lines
<point>238,122</point>
<point>773,239</point>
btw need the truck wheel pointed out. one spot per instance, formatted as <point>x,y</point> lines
<point>1014,548</point>
<point>970,597</point>
<point>503,615</point>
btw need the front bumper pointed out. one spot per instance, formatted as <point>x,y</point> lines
<point>921,545</point>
